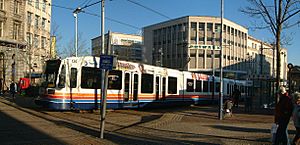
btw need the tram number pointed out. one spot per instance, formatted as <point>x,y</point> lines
<point>74,61</point>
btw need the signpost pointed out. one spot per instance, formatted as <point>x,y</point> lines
<point>106,62</point>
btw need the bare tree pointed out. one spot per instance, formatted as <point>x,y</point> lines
<point>69,48</point>
<point>277,16</point>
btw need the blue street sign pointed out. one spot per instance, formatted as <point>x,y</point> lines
<point>106,62</point>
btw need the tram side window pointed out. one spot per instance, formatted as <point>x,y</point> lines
<point>147,83</point>
<point>172,85</point>
<point>73,79</point>
<point>205,86</point>
<point>211,86</point>
<point>91,78</point>
<point>190,85</point>
<point>62,77</point>
<point>218,86</point>
<point>115,80</point>
<point>198,86</point>
<point>228,89</point>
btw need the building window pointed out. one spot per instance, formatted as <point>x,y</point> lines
<point>43,41</point>
<point>16,30</point>
<point>217,28</point>
<point>36,41</point>
<point>16,7</point>
<point>209,26</point>
<point>1,28</point>
<point>36,24</point>
<point>37,4</point>
<point>43,23</point>
<point>29,18</point>
<point>1,4</point>
<point>29,38</point>
<point>201,26</point>
<point>29,2</point>
<point>44,6</point>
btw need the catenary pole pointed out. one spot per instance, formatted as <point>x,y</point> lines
<point>75,13</point>
<point>103,97</point>
<point>221,64</point>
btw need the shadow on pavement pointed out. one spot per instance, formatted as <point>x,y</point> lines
<point>14,131</point>
<point>244,129</point>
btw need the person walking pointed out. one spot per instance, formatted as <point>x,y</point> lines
<point>296,117</point>
<point>13,89</point>
<point>283,112</point>
<point>236,96</point>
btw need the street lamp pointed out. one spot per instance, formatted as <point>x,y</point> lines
<point>75,13</point>
<point>290,67</point>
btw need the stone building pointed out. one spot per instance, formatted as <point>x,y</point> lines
<point>24,38</point>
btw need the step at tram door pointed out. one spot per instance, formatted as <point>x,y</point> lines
<point>160,88</point>
<point>131,88</point>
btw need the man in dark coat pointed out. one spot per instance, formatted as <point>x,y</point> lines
<point>283,112</point>
<point>13,89</point>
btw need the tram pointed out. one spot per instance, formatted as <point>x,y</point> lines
<point>75,83</point>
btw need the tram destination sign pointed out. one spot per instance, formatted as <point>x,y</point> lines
<point>106,62</point>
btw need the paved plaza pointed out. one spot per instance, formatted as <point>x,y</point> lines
<point>22,122</point>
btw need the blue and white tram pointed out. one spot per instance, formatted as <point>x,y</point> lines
<point>75,83</point>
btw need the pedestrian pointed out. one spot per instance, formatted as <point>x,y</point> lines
<point>228,107</point>
<point>236,96</point>
<point>296,117</point>
<point>1,86</point>
<point>283,112</point>
<point>13,89</point>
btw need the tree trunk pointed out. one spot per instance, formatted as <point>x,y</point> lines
<point>278,35</point>
<point>278,63</point>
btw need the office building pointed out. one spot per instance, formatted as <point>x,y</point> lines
<point>124,46</point>
<point>193,43</point>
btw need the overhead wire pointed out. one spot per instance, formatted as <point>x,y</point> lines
<point>152,10</point>
<point>86,2</point>
<point>93,14</point>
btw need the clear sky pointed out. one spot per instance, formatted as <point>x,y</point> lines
<point>132,14</point>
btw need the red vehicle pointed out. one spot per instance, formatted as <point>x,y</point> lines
<point>24,83</point>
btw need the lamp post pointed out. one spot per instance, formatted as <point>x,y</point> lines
<point>290,67</point>
<point>75,13</point>
<point>221,65</point>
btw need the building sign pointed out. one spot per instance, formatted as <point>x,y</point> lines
<point>125,41</point>
<point>125,66</point>
<point>199,76</point>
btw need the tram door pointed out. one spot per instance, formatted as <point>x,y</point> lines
<point>131,87</point>
<point>160,88</point>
